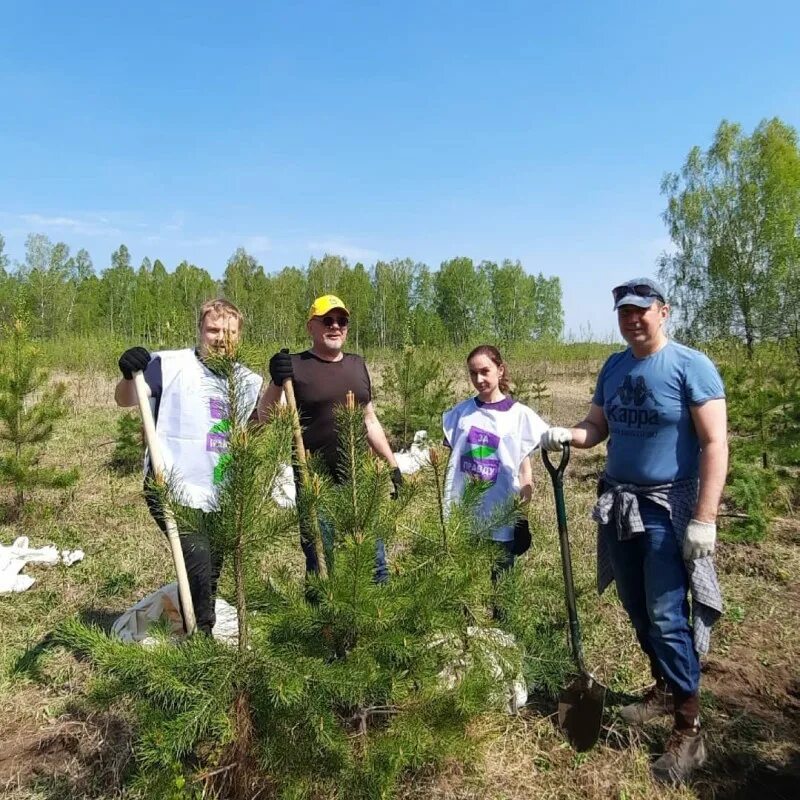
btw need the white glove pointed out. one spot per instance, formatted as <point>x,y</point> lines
<point>698,541</point>
<point>554,439</point>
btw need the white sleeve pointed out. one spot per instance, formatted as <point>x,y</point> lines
<point>449,424</point>
<point>531,430</point>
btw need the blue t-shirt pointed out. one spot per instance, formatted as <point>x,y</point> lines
<point>646,401</point>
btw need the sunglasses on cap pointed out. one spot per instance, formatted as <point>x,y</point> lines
<point>341,321</point>
<point>639,289</point>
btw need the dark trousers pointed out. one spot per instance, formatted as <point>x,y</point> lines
<point>653,586</point>
<point>381,574</point>
<point>203,560</point>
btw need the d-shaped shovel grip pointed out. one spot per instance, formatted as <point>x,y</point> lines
<point>557,471</point>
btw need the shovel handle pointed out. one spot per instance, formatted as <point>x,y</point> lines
<point>557,476</point>
<point>302,463</point>
<point>173,537</point>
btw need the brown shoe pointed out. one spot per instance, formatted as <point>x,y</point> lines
<point>657,702</point>
<point>684,753</point>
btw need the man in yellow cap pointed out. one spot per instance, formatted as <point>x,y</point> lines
<point>322,376</point>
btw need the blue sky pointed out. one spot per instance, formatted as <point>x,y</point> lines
<point>522,130</point>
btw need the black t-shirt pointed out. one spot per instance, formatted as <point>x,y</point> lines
<point>320,385</point>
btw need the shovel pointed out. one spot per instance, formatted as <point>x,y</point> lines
<point>173,537</point>
<point>300,450</point>
<point>580,705</point>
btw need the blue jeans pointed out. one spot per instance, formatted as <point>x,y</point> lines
<point>653,586</point>
<point>381,574</point>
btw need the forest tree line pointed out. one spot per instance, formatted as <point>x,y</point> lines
<point>391,303</point>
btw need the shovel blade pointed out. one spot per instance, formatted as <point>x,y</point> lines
<point>580,712</point>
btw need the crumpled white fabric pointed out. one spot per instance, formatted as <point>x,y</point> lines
<point>14,557</point>
<point>409,461</point>
<point>504,658</point>
<point>163,605</point>
<point>416,457</point>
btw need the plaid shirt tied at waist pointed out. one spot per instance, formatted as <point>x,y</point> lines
<point>618,503</point>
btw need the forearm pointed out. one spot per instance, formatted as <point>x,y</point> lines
<point>526,481</point>
<point>270,397</point>
<point>378,442</point>
<point>125,394</point>
<point>587,434</point>
<point>713,469</point>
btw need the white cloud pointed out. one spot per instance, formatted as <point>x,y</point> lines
<point>176,224</point>
<point>200,241</point>
<point>92,225</point>
<point>340,247</point>
<point>258,244</point>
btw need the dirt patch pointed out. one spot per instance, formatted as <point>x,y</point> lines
<point>752,560</point>
<point>755,718</point>
<point>85,754</point>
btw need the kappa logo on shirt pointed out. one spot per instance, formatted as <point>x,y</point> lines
<point>632,412</point>
<point>635,393</point>
<point>480,460</point>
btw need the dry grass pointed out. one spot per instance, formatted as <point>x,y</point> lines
<point>51,746</point>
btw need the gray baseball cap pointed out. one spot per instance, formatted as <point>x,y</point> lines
<point>642,292</point>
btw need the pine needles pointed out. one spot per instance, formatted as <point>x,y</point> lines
<point>336,691</point>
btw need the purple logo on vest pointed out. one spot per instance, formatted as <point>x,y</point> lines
<point>216,442</point>
<point>480,460</point>
<point>218,408</point>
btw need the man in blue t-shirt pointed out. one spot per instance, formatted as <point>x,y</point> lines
<point>661,406</point>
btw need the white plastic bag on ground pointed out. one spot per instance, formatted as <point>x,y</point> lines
<point>162,606</point>
<point>14,557</point>
<point>416,457</point>
<point>504,658</point>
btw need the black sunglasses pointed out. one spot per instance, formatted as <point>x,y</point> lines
<point>639,289</point>
<point>342,322</point>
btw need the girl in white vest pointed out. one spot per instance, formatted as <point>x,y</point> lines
<point>491,437</point>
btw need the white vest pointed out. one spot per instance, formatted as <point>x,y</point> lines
<point>192,424</point>
<point>489,445</point>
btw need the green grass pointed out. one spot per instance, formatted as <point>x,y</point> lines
<point>746,691</point>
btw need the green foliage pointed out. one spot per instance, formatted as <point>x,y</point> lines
<point>463,300</point>
<point>417,391</point>
<point>29,408</point>
<point>763,395</point>
<point>65,297</point>
<point>733,213</point>
<point>128,452</point>
<point>338,685</point>
<point>750,488</point>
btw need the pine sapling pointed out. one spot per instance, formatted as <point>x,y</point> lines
<point>419,390</point>
<point>128,452</point>
<point>29,408</point>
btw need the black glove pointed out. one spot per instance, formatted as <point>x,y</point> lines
<point>135,359</point>
<point>522,537</point>
<point>280,367</point>
<point>397,481</point>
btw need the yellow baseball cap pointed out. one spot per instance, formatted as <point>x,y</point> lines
<point>322,305</point>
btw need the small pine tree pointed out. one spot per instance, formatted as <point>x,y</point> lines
<point>418,390</point>
<point>764,418</point>
<point>29,407</point>
<point>339,685</point>
<point>128,453</point>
